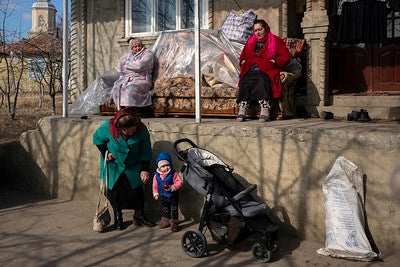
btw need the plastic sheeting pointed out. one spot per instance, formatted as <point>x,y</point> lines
<point>174,52</point>
<point>95,95</point>
<point>344,211</point>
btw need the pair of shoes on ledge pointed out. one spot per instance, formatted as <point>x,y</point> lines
<point>361,116</point>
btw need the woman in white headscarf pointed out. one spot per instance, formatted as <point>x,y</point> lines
<point>135,68</point>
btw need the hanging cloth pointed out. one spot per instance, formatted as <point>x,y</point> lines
<point>361,21</point>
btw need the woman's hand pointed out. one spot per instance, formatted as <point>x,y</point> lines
<point>144,176</point>
<point>110,156</point>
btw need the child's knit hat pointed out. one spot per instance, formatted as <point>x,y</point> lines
<point>163,159</point>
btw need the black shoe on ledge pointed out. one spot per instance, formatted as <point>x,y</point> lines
<point>139,218</point>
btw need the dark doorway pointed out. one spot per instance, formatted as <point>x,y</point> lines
<point>364,68</point>
<point>365,59</point>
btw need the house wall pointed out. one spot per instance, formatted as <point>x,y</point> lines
<point>98,39</point>
<point>270,11</point>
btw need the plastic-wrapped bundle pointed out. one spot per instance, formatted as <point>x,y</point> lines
<point>95,95</point>
<point>175,51</point>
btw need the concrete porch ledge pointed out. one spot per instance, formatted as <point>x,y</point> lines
<point>288,160</point>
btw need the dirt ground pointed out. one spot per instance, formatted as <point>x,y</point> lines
<point>27,115</point>
<point>37,231</point>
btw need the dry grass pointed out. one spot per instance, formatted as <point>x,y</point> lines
<point>27,115</point>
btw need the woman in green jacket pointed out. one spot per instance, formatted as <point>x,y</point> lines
<point>127,141</point>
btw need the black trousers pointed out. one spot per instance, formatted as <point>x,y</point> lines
<point>170,207</point>
<point>123,196</point>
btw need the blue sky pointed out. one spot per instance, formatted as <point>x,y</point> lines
<point>20,20</point>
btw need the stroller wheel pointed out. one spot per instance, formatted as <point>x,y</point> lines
<point>261,252</point>
<point>194,243</point>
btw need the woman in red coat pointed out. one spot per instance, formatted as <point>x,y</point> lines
<point>262,59</point>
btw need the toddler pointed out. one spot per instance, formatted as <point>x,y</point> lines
<point>166,185</point>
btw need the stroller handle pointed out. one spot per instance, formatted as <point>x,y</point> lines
<point>180,153</point>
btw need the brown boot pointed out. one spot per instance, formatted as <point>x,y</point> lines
<point>174,225</point>
<point>164,223</point>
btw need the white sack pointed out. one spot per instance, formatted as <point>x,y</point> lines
<point>344,211</point>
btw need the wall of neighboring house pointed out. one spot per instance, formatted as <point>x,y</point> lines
<point>26,84</point>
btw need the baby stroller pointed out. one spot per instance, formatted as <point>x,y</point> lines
<point>229,210</point>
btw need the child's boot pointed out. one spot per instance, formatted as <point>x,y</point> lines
<point>164,223</point>
<point>174,225</point>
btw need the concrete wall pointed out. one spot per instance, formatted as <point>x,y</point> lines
<point>288,160</point>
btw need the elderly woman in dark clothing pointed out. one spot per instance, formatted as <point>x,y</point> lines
<point>261,61</point>
<point>127,141</point>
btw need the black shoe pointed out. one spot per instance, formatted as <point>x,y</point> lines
<point>353,116</point>
<point>326,115</point>
<point>364,116</point>
<point>139,218</point>
<point>118,221</point>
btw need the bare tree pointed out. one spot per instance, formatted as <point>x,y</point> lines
<point>46,64</point>
<point>60,25</point>
<point>12,64</point>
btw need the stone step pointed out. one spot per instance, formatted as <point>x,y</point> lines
<point>366,101</point>
<point>378,107</point>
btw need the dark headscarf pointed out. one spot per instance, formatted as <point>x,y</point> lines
<point>121,113</point>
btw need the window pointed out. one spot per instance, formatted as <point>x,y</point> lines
<point>41,21</point>
<point>147,17</point>
<point>393,26</point>
<point>36,69</point>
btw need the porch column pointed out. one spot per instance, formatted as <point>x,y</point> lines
<point>315,29</point>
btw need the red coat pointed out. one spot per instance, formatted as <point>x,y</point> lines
<point>248,58</point>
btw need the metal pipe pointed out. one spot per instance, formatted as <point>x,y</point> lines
<point>197,70</point>
<point>65,59</point>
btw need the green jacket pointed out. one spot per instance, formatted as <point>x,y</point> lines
<point>129,154</point>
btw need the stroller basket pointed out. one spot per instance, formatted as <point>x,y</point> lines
<point>229,209</point>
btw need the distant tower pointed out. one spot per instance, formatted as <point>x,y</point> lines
<point>43,18</point>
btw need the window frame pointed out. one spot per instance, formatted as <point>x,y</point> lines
<point>393,26</point>
<point>153,32</point>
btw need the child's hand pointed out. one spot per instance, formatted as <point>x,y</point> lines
<point>156,196</point>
